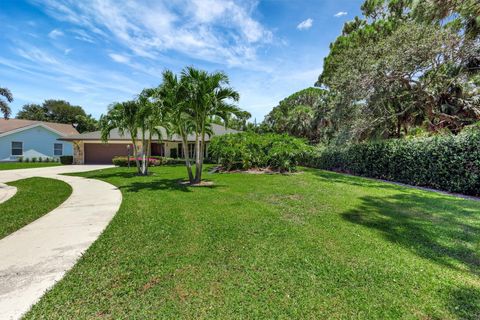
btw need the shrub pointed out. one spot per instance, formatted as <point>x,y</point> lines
<point>27,160</point>
<point>445,162</point>
<point>251,150</point>
<point>153,161</point>
<point>20,159</point>
<point>66,159</point>
<point>34,159</point>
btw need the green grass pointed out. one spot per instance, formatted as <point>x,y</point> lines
<point>26,165</point>
<point>312,245</point>
<point>34,198</point>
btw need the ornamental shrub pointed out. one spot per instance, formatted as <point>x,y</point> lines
<point>66,159</point>
<point>153,161</point>
<point>248,150</point>
<point>444,162</point>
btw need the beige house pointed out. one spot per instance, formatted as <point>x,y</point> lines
<point>88,147</point>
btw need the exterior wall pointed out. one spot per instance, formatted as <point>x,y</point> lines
<point>78,152</point>
<point>37,142</point>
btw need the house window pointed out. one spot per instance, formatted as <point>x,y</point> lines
<point>17,148</point>
<point>57,149</point>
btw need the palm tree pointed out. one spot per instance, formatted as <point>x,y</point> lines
<point>152,114</point>
<point>4,108</point>
<point>173,95</point>
<point>124,117</point>
<point>207,96</point>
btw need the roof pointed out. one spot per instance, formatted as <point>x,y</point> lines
<point>115,135</point>
<point>8,126</point>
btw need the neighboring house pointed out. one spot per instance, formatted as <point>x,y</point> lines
<point>33,139</point>
<point>89,148</point>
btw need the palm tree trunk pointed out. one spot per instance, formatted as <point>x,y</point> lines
<point>135,154</point>
<point>187,158</point>
<point>202,148</point>
<point>198,167</point>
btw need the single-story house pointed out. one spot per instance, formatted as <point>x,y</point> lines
<point>33,139</point>
<point>88,148</point>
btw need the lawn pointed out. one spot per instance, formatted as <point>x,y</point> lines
<point>34,198</point>
<point>311,245</point>
<point>26,165</point>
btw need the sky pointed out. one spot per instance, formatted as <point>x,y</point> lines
<point>96,52</point>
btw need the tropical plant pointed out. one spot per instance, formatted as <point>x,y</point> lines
<point>206,95</point>
<point>4,107</point>
<point>172,94</point>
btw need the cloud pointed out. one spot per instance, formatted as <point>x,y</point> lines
<point>305,25</point>
<point>67,50</point>
<point>340,14</point>
<point>219,31</point>
<point>55,33</point>
<point>119,58</point>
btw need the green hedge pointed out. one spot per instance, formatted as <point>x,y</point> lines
<point>65,160</point>
<point>154,161</point>
<point>445,162</point>
<point>250,150</point>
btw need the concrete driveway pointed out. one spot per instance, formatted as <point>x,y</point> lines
<point>35,257</point>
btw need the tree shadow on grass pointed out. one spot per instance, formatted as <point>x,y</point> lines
<point>464,302</point>
<point>443,229</point>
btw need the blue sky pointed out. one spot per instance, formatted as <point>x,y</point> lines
<point>93,53</point>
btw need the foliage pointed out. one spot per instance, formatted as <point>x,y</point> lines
<point>303,114</point>
<point>66,159</point>
<point>59,111</point>
<point>153,161</point>
<point>315,245</point>
<point>250,150</point>
<point>445,162</point>
<point>206,95</point>
<point>4,107</point>
<point>405,64</point>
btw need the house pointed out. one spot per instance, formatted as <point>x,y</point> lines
<point>89,148</point>
<point>29,139</point>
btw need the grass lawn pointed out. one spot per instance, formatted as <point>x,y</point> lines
<point>34,198</point>
<point>26,165</point>
<point>312,245</point>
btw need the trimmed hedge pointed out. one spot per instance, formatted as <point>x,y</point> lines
<point>444,162</point>
<point>153,161</point>
<point>248,150</point>
<point>65,159</point>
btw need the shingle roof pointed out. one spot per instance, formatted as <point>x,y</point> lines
<point>115,135</point>
<point>7,125</point>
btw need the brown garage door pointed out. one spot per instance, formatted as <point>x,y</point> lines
<point>100,153</point>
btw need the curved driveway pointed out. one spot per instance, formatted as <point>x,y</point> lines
<point>33,258</point>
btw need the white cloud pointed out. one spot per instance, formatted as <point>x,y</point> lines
<point>340,14</point>
<point>67,50</point>
<point>221,31</point>
<point>305,25</point>
<point>55,33</point>
<point>119,58</point>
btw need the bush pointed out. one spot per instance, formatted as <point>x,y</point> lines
<point>20,159</point>
<point>66,159</point>
<point>250,150</point>
<point>34,159</point>
<point>153,161</point>
<point>445,162</point>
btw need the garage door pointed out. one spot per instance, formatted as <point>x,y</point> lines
<point>100,153</point>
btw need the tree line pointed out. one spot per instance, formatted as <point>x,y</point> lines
<point>403,68</point>
<point>59,111</point>
<point>184,105</point>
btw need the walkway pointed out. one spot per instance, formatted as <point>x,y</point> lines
<point>35,257</point>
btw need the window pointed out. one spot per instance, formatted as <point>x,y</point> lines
<point>57,149</point>
<point>17,148</point>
